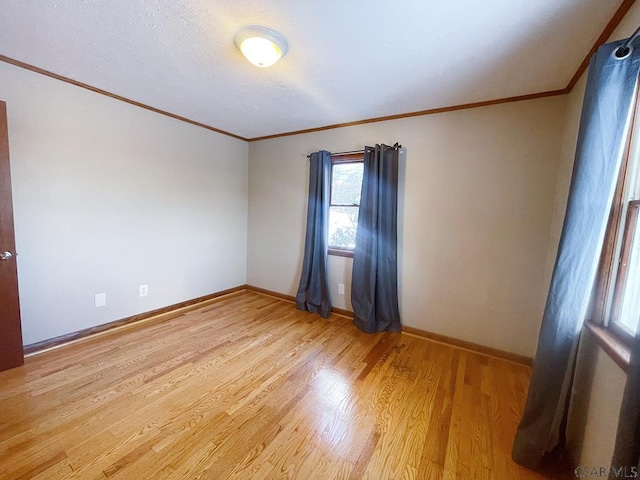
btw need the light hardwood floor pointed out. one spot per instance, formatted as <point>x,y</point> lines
<point>246,387</point>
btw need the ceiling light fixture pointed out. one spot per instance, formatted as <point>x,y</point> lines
<point>262,46</point>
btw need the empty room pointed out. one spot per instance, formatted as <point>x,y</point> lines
<point>319,240</point>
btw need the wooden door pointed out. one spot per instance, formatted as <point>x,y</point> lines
<point>11,353</point>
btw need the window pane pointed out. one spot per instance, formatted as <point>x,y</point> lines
<point>346,183</point>
<point>343,222</point>
<point>630,303</point>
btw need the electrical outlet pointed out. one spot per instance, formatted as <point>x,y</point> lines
<point>143,290</point>
<point>341,289</point>
<point>100,300</point>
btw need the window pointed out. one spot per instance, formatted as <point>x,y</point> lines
<point>346,187</point>
<point>617,299</point>
<point>626,300</point>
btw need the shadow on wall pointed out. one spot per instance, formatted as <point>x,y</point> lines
<point>597,396</point>
<point>582,386</point>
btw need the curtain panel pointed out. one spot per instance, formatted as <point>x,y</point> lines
<point>313,290</point>
<point>604,126</point>
<point>374,287</point>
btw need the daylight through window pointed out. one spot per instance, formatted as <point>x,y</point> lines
<point>346,187</point>
<point>626,311</point>
<point>620,267</point>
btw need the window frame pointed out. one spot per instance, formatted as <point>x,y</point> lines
<point>629,230</point>
<point>607,298</point>
<point>345,158</point>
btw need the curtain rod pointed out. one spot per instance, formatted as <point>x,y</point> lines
<point>337,154</point>
<point>397,146</point>
<point>625,49</point>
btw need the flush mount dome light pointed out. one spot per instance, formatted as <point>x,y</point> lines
<point>262,46</point>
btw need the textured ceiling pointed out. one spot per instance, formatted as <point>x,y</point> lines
<point>348,60</point>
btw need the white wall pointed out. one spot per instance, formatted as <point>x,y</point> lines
<point>596,399</point>
<point>108,196</point>
<point>477,201</point>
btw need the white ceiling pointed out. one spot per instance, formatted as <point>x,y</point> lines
<point>348,60</point>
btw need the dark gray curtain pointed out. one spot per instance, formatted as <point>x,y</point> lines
<point>603,128</point>
<point>374,287</point>
<point>626,454</point>
<point>313,290</point>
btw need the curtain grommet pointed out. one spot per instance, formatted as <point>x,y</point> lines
<point>622,52</point>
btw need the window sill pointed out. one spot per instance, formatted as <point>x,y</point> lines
<point>617,350</point>
<point>340,253</point>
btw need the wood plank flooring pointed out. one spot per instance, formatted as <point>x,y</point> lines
<point>247,387</point>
